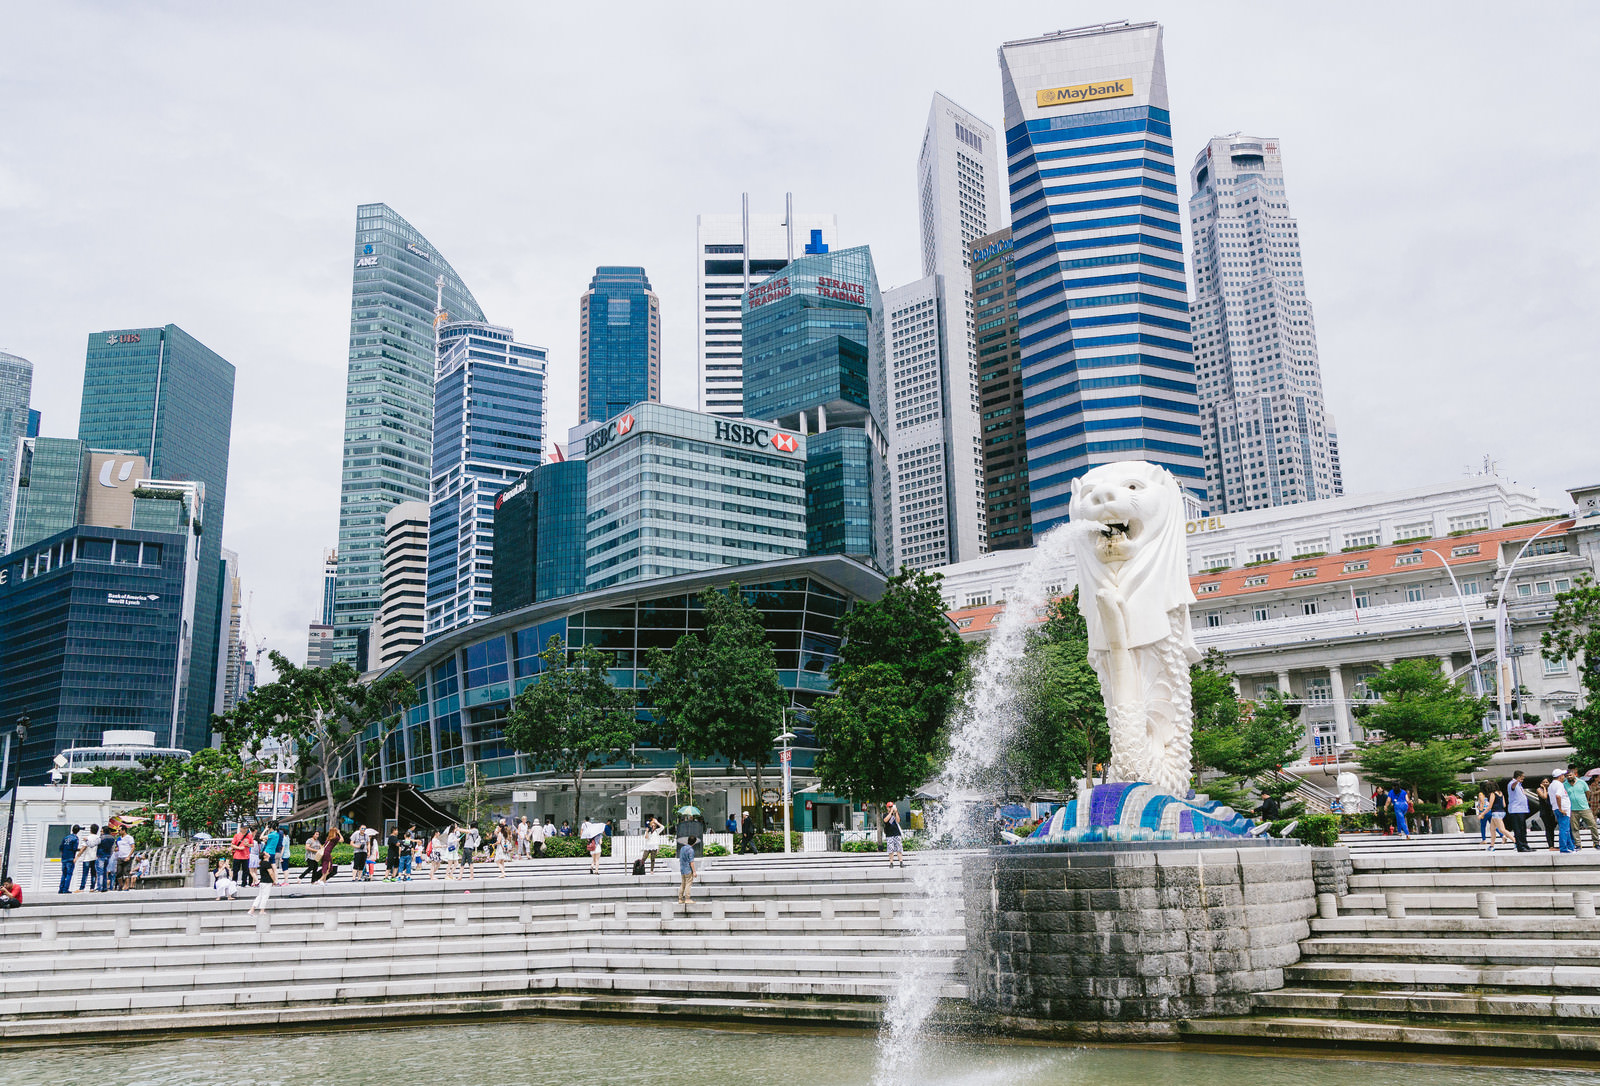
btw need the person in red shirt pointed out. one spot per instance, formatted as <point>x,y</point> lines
<point>10,894</point>
<point>242,840</point>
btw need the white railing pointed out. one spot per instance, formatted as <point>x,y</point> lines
<point>1384,618</point>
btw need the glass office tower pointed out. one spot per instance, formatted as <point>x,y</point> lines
<point>488,430</point>
<point>52,473</point>
<point>814,361</point>
<point>163,394</point>
<point>1005,451</point>
<point>16,388</point>
<point>398,280</point>
<point>539,535</point>
<point>619,344</point>
<point>1097,235</point>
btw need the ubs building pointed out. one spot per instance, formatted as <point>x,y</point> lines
<point>97,628</point>
<point>814,362</point>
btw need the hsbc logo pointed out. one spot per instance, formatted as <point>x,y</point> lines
<point>741,434</point>
<point>620,426</point>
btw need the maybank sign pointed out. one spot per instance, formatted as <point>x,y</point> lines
<point>1085,92</point>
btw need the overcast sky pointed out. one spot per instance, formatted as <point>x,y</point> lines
<point>201,165</point>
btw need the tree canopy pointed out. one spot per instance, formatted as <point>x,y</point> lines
<point>327,715</point>
<point>571,717</point>
<point>867,732</point>
<point>1574,634</point>
<point>907,628</point>
<point>718,694</point>
<point>1063,734</point>
<point>1431,730</point>
<point>205,791</point>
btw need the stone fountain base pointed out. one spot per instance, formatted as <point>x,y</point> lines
<point>1127,939</point>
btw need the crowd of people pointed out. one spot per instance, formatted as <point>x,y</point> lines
<point>105,858</point>
<point>1563,801</point>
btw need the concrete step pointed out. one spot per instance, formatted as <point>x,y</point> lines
<point>1415,925</point>
<point>1511,901</point>
<point>1442,976</point>
<point>1399,1003</point>
<point>1363,1033</point>
<point>1509,950</point>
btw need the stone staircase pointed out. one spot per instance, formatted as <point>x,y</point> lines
<point>1443,947</point>
<point>807,937</point>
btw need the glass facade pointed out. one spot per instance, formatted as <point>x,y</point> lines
<point>16,389</point>
<point>814,360</point>
<point>673,491</point>
<point>488,429</point>
<point>1102,288</point>
<point>388,422</point>
<point>539,535</point>
<point>468,678</point>
<point>93,636</point>
<point>1005,449</point>
<point>51,475</point>
<point>619,344</point>
<point>163,394</point>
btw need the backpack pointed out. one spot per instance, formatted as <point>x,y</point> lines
<point>638,866</point>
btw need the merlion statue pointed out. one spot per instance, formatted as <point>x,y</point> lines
<point>1349,792</point>
<point>1133,591</point>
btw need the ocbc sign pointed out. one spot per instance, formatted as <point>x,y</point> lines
<point>742,434</point>
<point>608,433</point>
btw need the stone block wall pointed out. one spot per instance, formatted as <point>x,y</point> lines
<point>1138,935</point>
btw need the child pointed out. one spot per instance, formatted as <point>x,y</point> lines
<point>224,885</point>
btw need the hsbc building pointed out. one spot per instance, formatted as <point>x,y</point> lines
<point>673,491</point>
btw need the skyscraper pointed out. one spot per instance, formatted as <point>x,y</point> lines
<point>733,252</point>
<point>330,578</point>
<point>539,535</point>
<point>488,430</point>
<point>398,625</point>
<point>388,420</point>
<point>918,346</point>
<point>619,344</point>
<point>230,648</point>
<point>814,362</point>
<point>961,197</point>
<point>16,390</point>
<point>1005,449</point>
<point>1102,300</point>
<point>164,395</point>
<point>1268,439</point>
<point>49,491</point>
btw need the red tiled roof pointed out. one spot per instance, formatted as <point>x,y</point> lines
<point>1344,568</point>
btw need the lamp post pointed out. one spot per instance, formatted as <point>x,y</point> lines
<point>1502,622</point>
<point>21,733</point>
<point>1466,622</point>
<point>787,757</point>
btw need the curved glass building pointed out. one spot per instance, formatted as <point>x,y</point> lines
<point>388,415</point>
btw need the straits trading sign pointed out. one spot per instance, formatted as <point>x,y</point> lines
<point>1084,92</point>
<point>769,291</point>
<point>840,290</point>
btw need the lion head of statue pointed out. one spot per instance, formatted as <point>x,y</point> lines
<point>1128,521</point>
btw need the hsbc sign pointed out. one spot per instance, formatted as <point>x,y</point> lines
<point>740,433</point>
<point>620,426</point>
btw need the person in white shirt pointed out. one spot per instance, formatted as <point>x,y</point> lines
<point>1562,802</point>
<point>88,843</point>
<point>536,835</point>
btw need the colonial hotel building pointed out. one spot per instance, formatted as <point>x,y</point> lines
<point>1312,599</point>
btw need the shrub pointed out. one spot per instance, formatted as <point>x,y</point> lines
<point>862,846</point>
<point>773,842</point>
<point>1358,820</point>
<point>573,847</point>
<point>1318,829</point>
<point>716,850</point>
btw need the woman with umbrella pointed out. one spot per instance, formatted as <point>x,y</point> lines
<point>593,834</point>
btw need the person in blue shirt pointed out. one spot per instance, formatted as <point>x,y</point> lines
<point>69,858</point>
<point>686,870</point>
<point>1400,803</point>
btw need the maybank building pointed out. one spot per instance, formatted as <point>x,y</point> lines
<point>1102,292</point>
<point>673,491</point>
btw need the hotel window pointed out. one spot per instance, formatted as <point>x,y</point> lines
<point>1319,688</point>
<point>1414,594</point>
<point>1355,567</point>
<point>1304,574</point>
<point>1269,554</point>
<point>1524,590</point>
<point>1216,561</point>
<point>1422,529</point>
<point>1542,588</point>
<point>1555,667</point>
<point>1206,589</point>
<point>1368,538</point>
<point>1309,607</point>
<point>1261,614</point>
<point>1408,560</point>
<point>1255,582</point>
<point>980,599</point>
<point>1469,522</point>
<point>1462,552</point>
<point>1563,585</point>
<point>1548,546</point>
<point>1213,620</point>
<point>1362,600</point>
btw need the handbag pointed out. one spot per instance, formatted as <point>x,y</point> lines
<point>638,866</point>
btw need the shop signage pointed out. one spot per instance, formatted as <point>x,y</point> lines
<point>599,439</point>
<point>769,291</point>
<point>992,249</point>
<point>1084,92</point>
<point>840,290</point>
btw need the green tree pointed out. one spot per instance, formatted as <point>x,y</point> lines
<point>868,734</point>
<point>1431,729</point>
<point>571,717</point>
<point>1063,732</point>
<point>127,785</point>
<point>718,695</point>
<point>210,788</point>
<point>907,628</point>
<point>328,716</point>
<point>1574,634</point>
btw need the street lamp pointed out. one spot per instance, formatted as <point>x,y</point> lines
<point>21,732</point>
<point>1466,622</point>
<point>1502,622</point>
<point>787,757</point>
